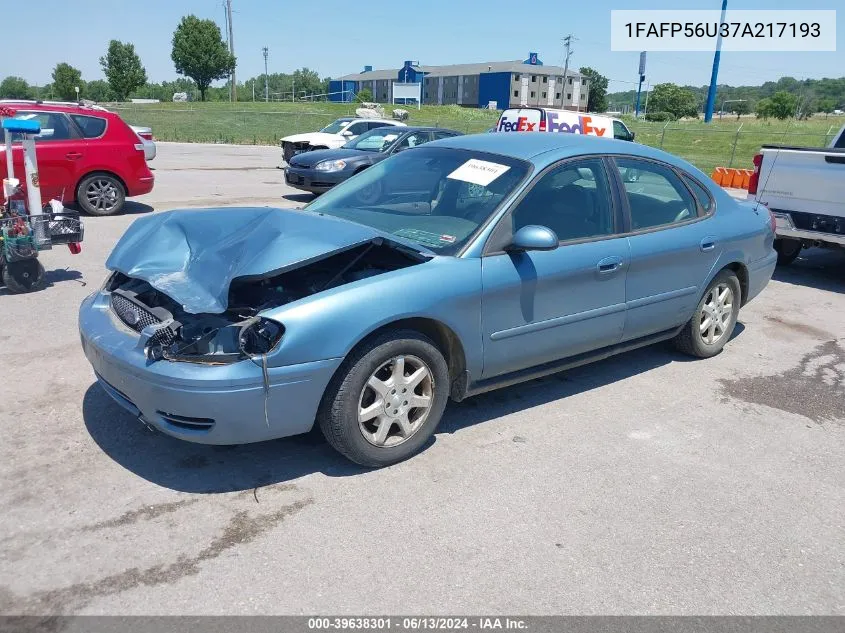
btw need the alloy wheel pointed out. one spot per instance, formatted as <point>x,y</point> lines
<point>102,194</point>
<point>395,401</point>
<point>716,313</point>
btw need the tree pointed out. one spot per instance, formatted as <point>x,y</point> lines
<point>740,108</point>
<point>17,88</point>
<point>675,99</point>
<point>65,79</point>
<point>764,108</point>
<point>365,95</point>
<point>123,70</point>
<point>99,90</point>
<point>199,52</point>
<point>826,105</point>
<point>782,105</point>
<point>596,90</point>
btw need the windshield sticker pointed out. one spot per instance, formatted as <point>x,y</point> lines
<point>447,238</point>
<point>478,172</point>
<point>422,237</point>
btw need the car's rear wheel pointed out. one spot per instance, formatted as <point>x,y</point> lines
<point>788,250</point>
<point>101,194</point>
<point>386,399</point>
<point>715,318</point>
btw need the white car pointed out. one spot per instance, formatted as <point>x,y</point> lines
<point>332,136</point>
<point>146,136</point>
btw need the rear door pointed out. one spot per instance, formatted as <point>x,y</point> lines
<point>60,152</point>
<point>673,247</point>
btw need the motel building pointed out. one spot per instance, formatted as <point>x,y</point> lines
<point>495,85</point>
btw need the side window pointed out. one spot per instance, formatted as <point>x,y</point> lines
<point>620,131</point>
<point>840,142</point>
<point>375,124</point>
<point>572,200</point>
<point>91,126</point>
<point>701,194</point>
<point>655,194</point>
<point>54,125</point>
<point>357,128</point>
<point>413,140</point>
<point>439,134</point>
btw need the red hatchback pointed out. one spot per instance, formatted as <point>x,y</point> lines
<point>86,154</point>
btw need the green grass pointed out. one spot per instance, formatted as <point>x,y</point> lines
<point>705,145</point>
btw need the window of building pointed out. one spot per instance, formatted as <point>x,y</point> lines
<point>557,96</point>
<point>516,77</point>
<point>533,94</point>
<point>544,95</point>
<point>583,96</point>
<point>570,81</point>
<point>533,79</point>
<point>516,93</point>
<point>569,96</point>
<point>545,79</point>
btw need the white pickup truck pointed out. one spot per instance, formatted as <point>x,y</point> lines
<point>804,188</point>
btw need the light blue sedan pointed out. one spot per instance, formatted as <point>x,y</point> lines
<point>445,271</point>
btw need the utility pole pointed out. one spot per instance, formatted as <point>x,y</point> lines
<point>233,95</point>
<point>266,50</point>
<point>567,42</point>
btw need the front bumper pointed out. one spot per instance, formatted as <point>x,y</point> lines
<point>786,228</point>
<point>208,404</point>
<point>308,179</point>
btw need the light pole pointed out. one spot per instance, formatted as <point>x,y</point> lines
<point>265,50</point>
<point>711,93</point>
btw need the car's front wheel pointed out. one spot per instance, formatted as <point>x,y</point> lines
<point>715,318</point>
<point>386,399</point>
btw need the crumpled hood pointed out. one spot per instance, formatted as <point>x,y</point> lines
<point>315,138</point>
<point>193,255</point>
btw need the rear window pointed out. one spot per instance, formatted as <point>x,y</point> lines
<point>91,126</point>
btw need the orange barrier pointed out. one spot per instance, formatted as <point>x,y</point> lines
<point>731,177</point>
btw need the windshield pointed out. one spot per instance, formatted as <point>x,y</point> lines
<point>434,196</point>
<point>336,126</point>
<point>377,140</point>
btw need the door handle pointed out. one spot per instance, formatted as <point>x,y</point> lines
<point>73,155</point>
<point>708,244</point>
<point>609,265</point>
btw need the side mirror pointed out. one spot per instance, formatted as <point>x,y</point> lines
<point>534,238</point>
<point>631,136</point>
<point>346,133</point>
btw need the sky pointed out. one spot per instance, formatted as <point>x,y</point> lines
<point>337,37</point>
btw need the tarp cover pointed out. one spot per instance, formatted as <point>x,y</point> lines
<point>193,255</point>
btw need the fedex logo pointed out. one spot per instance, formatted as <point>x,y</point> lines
<point>584,125</point>
<point>522,124</point>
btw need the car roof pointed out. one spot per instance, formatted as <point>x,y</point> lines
<point>543,148</point>
<point>55,106</point>
<point>427,128</point>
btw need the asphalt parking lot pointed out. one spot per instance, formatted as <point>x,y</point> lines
<point>647,483</point>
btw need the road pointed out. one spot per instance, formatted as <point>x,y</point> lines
<point>644,484</point>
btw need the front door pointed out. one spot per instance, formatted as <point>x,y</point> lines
<point>59,151</point>
<point>542,306</point>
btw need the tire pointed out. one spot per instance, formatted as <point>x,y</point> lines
<point>350,392</point>
<point>101,194</point>
<point>691,340</point>
<point>788,250</point>
<point>23,276</point>
<point>287,152</point>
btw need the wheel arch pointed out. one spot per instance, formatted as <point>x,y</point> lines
<point>444,337</point>
<point>741,273</point>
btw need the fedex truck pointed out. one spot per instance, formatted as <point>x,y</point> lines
<point>548,120</point>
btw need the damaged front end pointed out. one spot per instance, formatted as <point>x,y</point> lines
<point>169,332</point>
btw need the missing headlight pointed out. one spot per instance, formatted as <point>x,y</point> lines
<point>260,336</point>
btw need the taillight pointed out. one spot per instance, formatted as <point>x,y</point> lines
<point>755,177</point>
<point>146,136</point>
<point>543,124</point>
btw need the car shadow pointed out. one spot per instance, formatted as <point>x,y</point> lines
<point>131,207</point>
<point>299,197</point>
<point>201,468</point>
<point>819,268</point>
